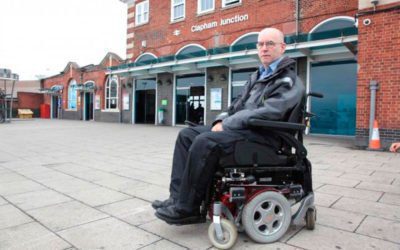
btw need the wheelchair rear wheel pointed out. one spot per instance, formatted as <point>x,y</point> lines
<point>230,235</point>
<point>267,217</point>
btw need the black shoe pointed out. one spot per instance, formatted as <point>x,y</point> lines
<point>173,216</point>
<point>159,204</point>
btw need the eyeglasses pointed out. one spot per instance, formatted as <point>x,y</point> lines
<point>268,44</point>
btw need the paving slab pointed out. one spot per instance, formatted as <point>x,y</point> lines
<point>393,199</point>
<point>374,179</point>
<point>329,238</point>
<point>190,236</point>
<point>377,209</point>
<point>350,192</point>
<point>163,244</point>
<point>344,220</point>
<point>37,199</point>
<point>379,187</point>
<point>134,211</point>
<point>108,233</point>
<point>326,200</point>
<point>98,196</point>
<point>3,202</point>
<point>66,215</point>
<point>11,216</point>
<point>18,187</point>
<point>381,228</point>
<point>31,236</point>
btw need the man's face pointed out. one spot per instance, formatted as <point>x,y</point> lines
<point>270,47</point>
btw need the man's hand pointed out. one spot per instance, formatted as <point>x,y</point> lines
<point>217,127</point>
<point>395,146</point>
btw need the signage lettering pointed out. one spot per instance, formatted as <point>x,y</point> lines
<point>223,21</point>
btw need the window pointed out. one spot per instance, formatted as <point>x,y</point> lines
<point>72,95</point>
<point>142,12</point>
<point>112,93</point>
<point>226,3</point>
<point>177,9</point>
<point>205,6</point>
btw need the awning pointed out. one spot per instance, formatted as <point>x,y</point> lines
<point>334,44</point>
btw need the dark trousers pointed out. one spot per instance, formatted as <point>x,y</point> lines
<point>196,155</point>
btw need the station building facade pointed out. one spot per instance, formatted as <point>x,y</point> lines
<point>87,93</point>
<point>189,59</point>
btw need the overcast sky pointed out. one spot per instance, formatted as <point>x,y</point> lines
<point>39,37</point>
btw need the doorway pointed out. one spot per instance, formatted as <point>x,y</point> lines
<point>145,101</point>
<point>190,101</point>
<point>336,112</point>
<point>55,106</point>
<point>88,108</point>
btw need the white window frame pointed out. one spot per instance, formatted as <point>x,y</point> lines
<point>139,17</point>
<point>199,11</point>
<point>109,97</point>
<point>173,5</point>
<point>227,3</point>
<point>72,87</point>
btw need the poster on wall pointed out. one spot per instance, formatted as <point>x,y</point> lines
<point>125,103</point>
<point>97,102</point>
<point>216,98</point>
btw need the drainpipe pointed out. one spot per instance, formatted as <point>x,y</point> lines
<point>297,16</point>
<point>373,86</point>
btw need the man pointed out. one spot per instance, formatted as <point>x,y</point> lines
<point>395,146</point>
<point>271,94</point>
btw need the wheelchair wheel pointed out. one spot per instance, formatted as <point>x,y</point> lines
<point>267,217</point>
<point>230,235</point>
<point>311,217</point>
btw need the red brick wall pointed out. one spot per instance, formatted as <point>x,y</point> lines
<point>313,12</point>
<point>262,13</point>
<point>97,75</point>
<point>29,100</point>
<point>378,58</point>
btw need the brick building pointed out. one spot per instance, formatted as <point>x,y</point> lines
<point>190,59</point>
<point>87,93</point>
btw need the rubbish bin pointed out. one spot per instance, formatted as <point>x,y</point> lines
<point>161,119</point>
<point>44,111</point>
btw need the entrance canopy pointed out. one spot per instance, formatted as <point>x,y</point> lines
<point>54,90</point>
<point>318,46</point>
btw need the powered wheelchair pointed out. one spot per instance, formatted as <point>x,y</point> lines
<point>256,186</point>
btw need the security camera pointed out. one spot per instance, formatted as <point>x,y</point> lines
<point>374,2</point>
<point>367,22</point>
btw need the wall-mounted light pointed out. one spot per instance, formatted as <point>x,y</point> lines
<point>129,85</point>
<point>210,78</point>
<point>159,82</point>
<point>222,77</point>
<point>169,82</point>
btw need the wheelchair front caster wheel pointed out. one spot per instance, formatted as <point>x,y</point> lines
<point>311,217</point>
<point>229,235</point>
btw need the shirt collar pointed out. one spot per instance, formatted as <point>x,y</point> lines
<point>271,67</point>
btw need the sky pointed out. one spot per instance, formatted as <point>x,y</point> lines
<point>39,37</point>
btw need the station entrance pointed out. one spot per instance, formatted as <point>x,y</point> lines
<point>145,101</point>
<point>190,101</point>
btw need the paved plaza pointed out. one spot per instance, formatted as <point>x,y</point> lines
<point>88,185</point>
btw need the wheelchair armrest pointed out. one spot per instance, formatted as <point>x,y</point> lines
<point>276,125</point>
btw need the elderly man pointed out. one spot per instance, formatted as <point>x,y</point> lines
<point>271,94</point>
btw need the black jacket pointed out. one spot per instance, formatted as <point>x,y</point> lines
<point>272,98</point>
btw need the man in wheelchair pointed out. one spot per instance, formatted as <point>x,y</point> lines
<point>273,93</point>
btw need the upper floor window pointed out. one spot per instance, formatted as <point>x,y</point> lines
<point>112,93</point>
<point>226,3</point>
<point>177,9</point>
<point>205,6</point>
<point>72,95</point>
<point>142,12</point>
